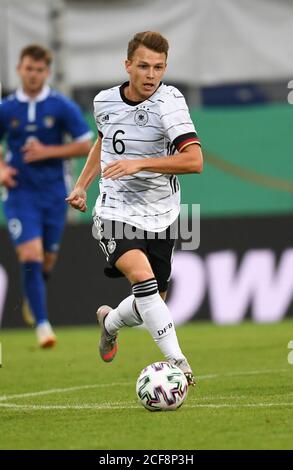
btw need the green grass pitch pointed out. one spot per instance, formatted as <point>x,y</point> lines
<point>66,398</point>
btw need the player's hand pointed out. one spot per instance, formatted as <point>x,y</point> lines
<point>35,151</point>
<point>7,174</point>
<point>77,199</point>
<point>121,168</point>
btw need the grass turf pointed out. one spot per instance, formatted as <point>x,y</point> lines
<point>244,397</point>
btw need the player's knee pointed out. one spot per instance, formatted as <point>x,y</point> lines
<point>30,255</point>
<point>141,275</point>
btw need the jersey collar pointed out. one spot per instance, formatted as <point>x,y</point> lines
<point>23,97</point>
<point>133,103</point>
<point>123,97</point>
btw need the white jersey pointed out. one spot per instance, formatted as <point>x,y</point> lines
<point>156,127</point>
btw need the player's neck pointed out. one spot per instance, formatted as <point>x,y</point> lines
<point>131,94</point>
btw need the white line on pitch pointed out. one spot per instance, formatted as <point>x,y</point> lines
<point>85,406</point>
<point>127,406</point>
<point>84,387</point>
<point>243,373</point>
<point>62,390</point>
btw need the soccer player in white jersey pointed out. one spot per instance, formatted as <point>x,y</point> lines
<point>139,124</point>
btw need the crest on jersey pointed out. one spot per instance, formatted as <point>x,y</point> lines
<point>49,121</point>
<point>141,117</point>
<point>111,246</point>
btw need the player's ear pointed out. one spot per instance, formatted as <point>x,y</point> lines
<point>127,65</point>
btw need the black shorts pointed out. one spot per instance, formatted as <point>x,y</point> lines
<point>116,238</point>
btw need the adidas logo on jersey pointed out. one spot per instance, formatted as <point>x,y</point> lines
<point>102,119</point>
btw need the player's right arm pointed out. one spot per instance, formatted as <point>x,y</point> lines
<point>7,173</point>
<point>77,197</point>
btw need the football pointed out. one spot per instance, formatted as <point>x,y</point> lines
<point>161,387</point>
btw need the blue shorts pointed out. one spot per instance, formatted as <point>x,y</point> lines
<point>33,214</point>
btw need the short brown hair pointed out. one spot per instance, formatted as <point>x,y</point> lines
<point>36,52</point>
<point>150,39</point>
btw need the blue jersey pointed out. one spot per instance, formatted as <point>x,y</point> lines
<point>46,118</point>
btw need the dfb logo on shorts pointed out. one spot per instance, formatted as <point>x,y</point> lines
<point>111,246</point>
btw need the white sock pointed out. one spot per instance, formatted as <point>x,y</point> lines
<point>123,315</point>
<point>157,318</point>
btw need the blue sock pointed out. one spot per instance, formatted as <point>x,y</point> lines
<point>34,288</point>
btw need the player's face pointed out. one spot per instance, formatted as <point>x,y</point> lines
<point>33,74</point>
<point>146,70</point>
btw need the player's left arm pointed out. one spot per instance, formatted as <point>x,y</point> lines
<point>189,160</point>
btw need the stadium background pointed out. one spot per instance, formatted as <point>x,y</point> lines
<point>231,59</point>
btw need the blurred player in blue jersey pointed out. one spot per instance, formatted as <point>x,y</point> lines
<point>34,121</point>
